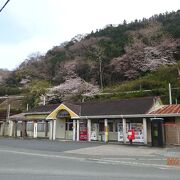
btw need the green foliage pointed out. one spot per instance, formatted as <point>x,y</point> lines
<point>165,75</point>
<point>136,85</point>
<point>12,80</point>
<point>53,62</point>
<point>58,57</point>
<point>83,70</point>
<point>34,91</point>
<point>38,87</point>
<point>154,83</point>
<point>118,39</point>
<point>172,23</point>
<point>114,48</point>
<point>9,90</point>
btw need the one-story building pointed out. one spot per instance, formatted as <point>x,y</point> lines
<point>4,120</point>
<point>95,121</point>
<point>170,116</point>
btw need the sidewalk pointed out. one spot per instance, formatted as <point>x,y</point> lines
<point>115,150</point>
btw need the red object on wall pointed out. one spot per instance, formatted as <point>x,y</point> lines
<point>131,134</point>
<point>82,132</point>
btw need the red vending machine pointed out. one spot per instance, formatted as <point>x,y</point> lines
<point>83,132</point>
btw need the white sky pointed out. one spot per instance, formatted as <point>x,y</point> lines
<point>30,26</point>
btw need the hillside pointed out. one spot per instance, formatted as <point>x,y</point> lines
<point>102,59</point>
<point>4,74</point>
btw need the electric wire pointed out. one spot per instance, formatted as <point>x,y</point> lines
<point>4,5</point>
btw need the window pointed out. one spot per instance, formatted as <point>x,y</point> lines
<point>29,126</point>
<point>110,126</point>
<point>69,125</point>
<point>19,125</point>
<point>101,127</point>
<point>41,127</point>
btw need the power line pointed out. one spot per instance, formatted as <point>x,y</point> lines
<point>4,5</point>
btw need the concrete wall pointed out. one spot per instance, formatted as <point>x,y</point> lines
<point>6,129</point>
<point>149,140</point>
<point>113,136</point>
<point>69,135</point>
<point>1,128</point>
<point>31,133</point>
<point>177,120</point>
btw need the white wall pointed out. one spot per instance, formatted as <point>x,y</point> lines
<point>60,128</point>
<point>113,136</point>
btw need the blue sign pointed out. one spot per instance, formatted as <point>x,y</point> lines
<point>63,114</point>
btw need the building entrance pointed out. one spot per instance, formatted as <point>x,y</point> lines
<point>69,129</point>
<point>157,132</point>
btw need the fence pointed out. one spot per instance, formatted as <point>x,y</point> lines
<point>172,134</point>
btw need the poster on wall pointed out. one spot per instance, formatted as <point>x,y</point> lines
<point>138,128</point>
<point>120,132</point>
<point>94,132</point>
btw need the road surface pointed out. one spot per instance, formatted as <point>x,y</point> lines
<point>47,160</point>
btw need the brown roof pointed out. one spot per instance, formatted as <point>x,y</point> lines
<point>18,117</point>
<point>168,109</point>
<point>73,107</point>
<point>3,113</point>
<point>43,108</point>
<point>119,107</point>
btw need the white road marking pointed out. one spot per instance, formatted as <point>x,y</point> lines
<point>94,160</point>
<point>37,154</point>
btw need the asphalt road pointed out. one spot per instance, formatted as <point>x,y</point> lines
<point>40,159</point>
<point>45,145</point>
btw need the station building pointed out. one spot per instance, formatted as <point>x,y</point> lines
<point>97,121</point>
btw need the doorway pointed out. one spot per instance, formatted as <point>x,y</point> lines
<point>157,132</point>
<point>69,129</point>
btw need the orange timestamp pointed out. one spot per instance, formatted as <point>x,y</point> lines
<point>173,161</point>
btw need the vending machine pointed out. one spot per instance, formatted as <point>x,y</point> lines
<point>83,131</point>
<point>94,131</point>
<point>120,131</point>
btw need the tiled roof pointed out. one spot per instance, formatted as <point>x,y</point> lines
<point>73,107</point>
<point>18,117</point>
<point>3,113</point>
<point>44,108</point>
<point>168,109</point>
<point>119,107</point>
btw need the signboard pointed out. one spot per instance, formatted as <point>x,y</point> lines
<point>63,114</point>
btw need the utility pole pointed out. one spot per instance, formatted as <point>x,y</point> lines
<point>27,107</point>
<point>8,112</point>
<point>170,94</point>
<point>100,73</point>
<point>8,106</point>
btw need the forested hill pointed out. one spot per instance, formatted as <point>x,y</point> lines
<point>109,56</point>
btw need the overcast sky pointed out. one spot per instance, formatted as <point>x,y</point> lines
<point>30,26</point>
